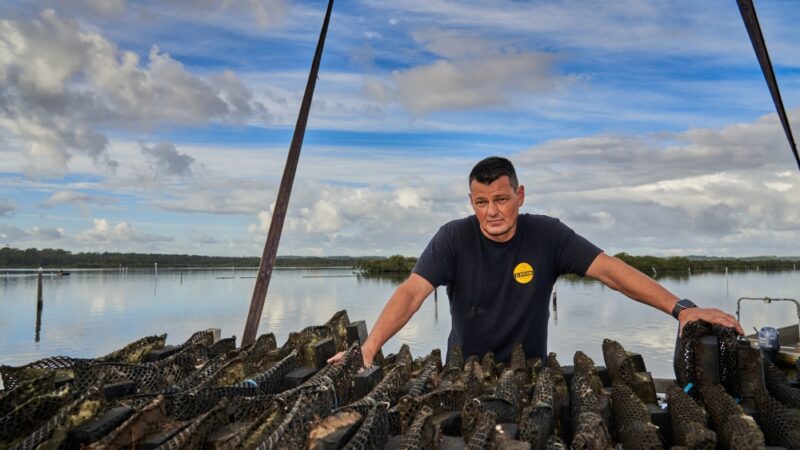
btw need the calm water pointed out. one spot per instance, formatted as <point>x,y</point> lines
<point>91,313</point>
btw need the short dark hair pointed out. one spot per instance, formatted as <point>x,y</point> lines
<point>492,168</point>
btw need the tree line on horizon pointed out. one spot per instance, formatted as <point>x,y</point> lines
<point>370,265</point>
<point>648,264</point>
<point>57,258</point>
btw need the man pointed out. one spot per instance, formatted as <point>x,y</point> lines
<point>499,267</point>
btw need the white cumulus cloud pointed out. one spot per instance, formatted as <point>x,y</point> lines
<point>61,83</point>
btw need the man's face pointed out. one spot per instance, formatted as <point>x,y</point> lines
<point>496,206</point>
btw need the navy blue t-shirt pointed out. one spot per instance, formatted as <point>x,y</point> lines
<point>500,291</point>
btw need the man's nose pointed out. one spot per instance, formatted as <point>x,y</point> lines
<point>492,210</point>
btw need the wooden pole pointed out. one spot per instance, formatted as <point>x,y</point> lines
<point>285,191</point>
<point>750,19</point>
<point>39,305</point>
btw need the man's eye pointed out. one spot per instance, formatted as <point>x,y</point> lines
<point>481,202</point>
<point>502,200</point>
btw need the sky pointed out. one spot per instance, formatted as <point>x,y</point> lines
<point>150,126</point>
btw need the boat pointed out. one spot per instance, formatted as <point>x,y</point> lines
<point>787,350</point>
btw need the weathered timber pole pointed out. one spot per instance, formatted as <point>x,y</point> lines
<point>760,46</point>
<point>39,305</point>
<point>285,191</point>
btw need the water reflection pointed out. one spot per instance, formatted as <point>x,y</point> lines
<point>93,313</point>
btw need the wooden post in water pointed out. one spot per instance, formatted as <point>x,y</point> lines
<point>282,203</point>
<point>39,304</point>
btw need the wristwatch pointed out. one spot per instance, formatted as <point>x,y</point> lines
<point>680,305</point>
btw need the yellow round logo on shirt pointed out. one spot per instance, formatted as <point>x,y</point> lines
<point>523,273</point>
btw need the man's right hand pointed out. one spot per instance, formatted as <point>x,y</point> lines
<point>338,357</point>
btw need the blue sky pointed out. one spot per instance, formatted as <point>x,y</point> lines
<point>163,126</point>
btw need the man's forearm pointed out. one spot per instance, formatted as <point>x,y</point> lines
<point>405,301</point>
<point>621,277</point>
<point>638,286</point>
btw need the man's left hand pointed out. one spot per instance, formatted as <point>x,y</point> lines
<point>710,315</point>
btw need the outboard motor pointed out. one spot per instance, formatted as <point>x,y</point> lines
<point>769,342</point>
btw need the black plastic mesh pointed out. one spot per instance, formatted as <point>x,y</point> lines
<point>293,428</point>
<point>197,432</point>
<point>452,370</point>
<point>338,325</point>
<point>373,432</point>
<point>185,406</point>
<point>561,398</point>
<point>634,428</point>
<point>781,425</point>
<point>778,385</point>
<point>11,399</point>
<point>483,433</point>
<point>685,367</point>
<point>147,378</point>
<point>489,368</point>
<point>256,355</point>
<point>620,367</point>
<point>53,431</point>
<point>585,365</point>
<point>197,378</point>
<point>204,338</point>
<point>688,420</point>
<point>537,420</point>
<point>386,391</point>
<point>31,414</point>
<point>61,365</point>
<point>518,360</point>
<point>589,431</point>
<point>536,425</point>
<point>734,428</point>
<point>420,434</point>
<point>146,420</point>
<point>134,352</point>
<point>222,346</point>
<point>426,379</point>
<point>507,389</point>
<point>443,400</point>
<point>272,381</point>
<point>472,376</point>
<point>555,443</point>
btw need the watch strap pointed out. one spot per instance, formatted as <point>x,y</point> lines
<point>680,305</point>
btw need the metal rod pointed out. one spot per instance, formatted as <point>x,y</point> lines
<point>282,202</point>
<point>757,39</point>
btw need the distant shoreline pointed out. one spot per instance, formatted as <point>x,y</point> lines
<point>22,261</point>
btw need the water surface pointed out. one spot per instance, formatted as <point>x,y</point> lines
<point>91,313</point>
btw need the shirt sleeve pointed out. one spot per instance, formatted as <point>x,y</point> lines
<point>574,253</point>
<point>437,262</point>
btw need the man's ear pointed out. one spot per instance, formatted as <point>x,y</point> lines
<point>521,194</point>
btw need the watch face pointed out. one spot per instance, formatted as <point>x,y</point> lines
<point>686,304</point>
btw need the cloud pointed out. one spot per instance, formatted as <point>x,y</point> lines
<point>62,197</point>
<point>166,159</point>
<point>121,233</point>
<point>265,13</point>
<point>61,83</point>
<point>7,207</point>
<point>13,234</point>
<point>474,73</point>
<point>623,26</point>
<point>327,219</point>
<point>716,191</point>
